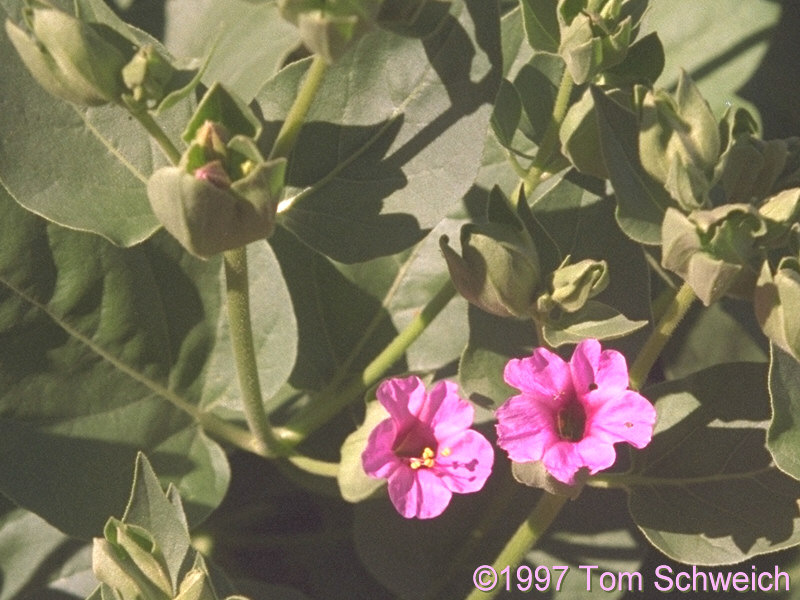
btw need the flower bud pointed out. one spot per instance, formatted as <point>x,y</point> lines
<point>713,250</point>
<point>148,75</point>
<point>208,218</point>
<point>499,271</point>
<point>573,285</point>
<point>73,60</point>
<point>330,28</point>
<point>196,586</point>
<point>776,302</point>
<point>679,142</point>
<point>592,42</point>
<point>130,562</point>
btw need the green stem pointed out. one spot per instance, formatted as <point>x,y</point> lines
<point>528,533</point>
<point>550,139</point>
<point>663,330</point>
<point>238,299</point>
<point>147,121</point>
<point>305,422</point>
<point>294,120</point>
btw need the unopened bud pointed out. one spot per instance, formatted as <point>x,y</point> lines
<point>76,61</point>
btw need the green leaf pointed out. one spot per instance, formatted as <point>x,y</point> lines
<point>334,316</point>
<point>512,37</point>
<point>250,40</point>
<point>507,113</point>
<point>541,24</point>
<point>376,168</point>
<point>580,137</point>
<point>594,320</point>
<point>783,436</point>
<point>641,201</point>
<point>84,168</point>
<point>537,84</point>
<point>347,313</point>
<point>29,547</point>
<point>705,490</point>
<point>416,282</point>
<point>689,350</point>
<point>354,484</point>
<point>720,45</point>
<point>102,357</point>
<point>643,63</point>
<point>492,341</point>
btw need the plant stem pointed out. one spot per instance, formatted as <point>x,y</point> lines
<point>294,120</point>
<point>147,121</point>
<point>527,534</point>
<point>307,421</point>
<point>238,300</point>
<point>550,137</point>
<point>495,510</point>
<point>654,345</point>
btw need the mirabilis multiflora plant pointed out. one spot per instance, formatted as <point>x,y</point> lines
<point>395,245</point>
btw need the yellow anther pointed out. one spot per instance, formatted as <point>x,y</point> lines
<point>426,460</point>
<point>446,451</point>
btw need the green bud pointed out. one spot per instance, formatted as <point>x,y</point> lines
<point>776,302</point>
<point>212,138</point>
<point>73,60</point>
<point>592,42</point>
<point>148,75</point>
<point>499,271</point>
<point>129,561</point>
<point>714,250</point>
<point>330,28</point>
<point>196,586</point>
<point>208,218</point>
<point>228,114</point>
<point>679,142</point>
<point>749,167</point>
<point>573,285</point>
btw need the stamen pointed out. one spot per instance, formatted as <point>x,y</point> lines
<point>426,460</point>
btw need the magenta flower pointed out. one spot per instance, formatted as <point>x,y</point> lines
<point>570,415</point>
<point>426,448</point>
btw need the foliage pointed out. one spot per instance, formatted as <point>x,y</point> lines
<point>220,237</point>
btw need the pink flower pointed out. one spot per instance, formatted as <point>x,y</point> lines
<point>570,415</point>
<point>426,448</point>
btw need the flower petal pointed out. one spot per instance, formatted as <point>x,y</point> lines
<point>543,374</point>
<point>447,412</point>
<point>378,459</point>
<point>467,463</point>
<point>626,418</point>
<point>403,398</point>
<point>592,368</point>
<point>596,453</point>
<point>418,493</point>
<point>562,461</point>
<point>526,428</point>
